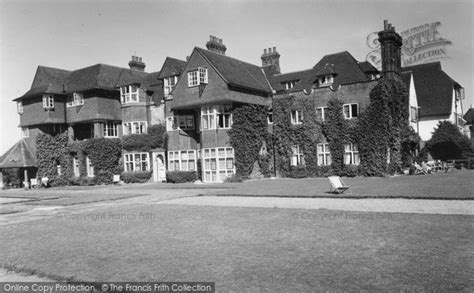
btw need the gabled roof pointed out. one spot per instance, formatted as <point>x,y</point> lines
<point>342,64</point>
<point>49,76</point>
<point>469,116</point>
<point>21,154</point>
<point>433,87</point>
<point>172,67</point>
<point>130,76</point>
<point>237,73</point>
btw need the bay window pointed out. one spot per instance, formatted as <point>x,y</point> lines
<point>134,162</point>
<point>48,102</point>
<point>218,164</point>
<point>134,127</point>
<point>182,160</point>
<point>169,84</point>
<point>76,100</point>
<point>197,77</point>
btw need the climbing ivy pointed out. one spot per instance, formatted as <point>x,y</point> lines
<point>249,131</point>
<point>306,135</point>
<point>382,127</point>
<point>51,152</point>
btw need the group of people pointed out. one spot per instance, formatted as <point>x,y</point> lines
<point>432,166</point>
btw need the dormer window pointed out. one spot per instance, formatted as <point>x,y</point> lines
<point>291,84</point>
<point>48,102</point>
<point>197,77</point>
<point>19,106</point>
<point>325,80</point>
<point>129,94</point>
<point>76,100</point>
<point>169,83</point>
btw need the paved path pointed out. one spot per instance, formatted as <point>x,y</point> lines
<point>451,207</point>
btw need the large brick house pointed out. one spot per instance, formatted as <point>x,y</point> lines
<point>196,99</point>
<point>100,101</point>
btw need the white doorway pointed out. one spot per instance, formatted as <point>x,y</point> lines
<point>159,167</point>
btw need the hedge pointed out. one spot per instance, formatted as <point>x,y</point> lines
<point>136,177</point>
<point>181,176</point>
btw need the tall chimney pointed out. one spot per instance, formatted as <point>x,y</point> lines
<point>391,44</point>
<point>271,57</point>
<point>215,44</point>
<point>136,63</point>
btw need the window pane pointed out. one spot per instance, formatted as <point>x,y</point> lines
<point>346,111</point>
<point>354,110</point>
<point>230,163</point>
<point>222,164</point>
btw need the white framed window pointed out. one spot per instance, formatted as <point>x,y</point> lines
<point>224,116</point>
<point>110,129</point>
<point>291,84</point>
<point>184,160</point>
<point>350,110</point>
<point>134,162</point>
<point>25,132</point>
<point>19,107</point>
<point>218,164</point>
<point>297,158</point>
<point>324,155</point>
<point>129,94</point>
<point>183,122</point>
<point>413,114</point>
<point>208,118</point>
<point>48,101</point>
<point>321,113</point>
<point>351,154</point>
<point>325,80</point>
<point>296,117</point>
<point>89,168</point>
<point>76,100</point>
<point>134,127</point>
<point>75,166</point>
<point>169,84</point>
<point>197,77</point>
<point>270,117</point>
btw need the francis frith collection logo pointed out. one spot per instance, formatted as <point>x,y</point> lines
<point>421,44</point>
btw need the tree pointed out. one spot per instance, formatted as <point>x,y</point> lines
<point>448,143</point>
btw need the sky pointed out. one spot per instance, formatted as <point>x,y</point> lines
<point>75,34</point>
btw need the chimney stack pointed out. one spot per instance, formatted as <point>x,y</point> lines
<point>390,44</point>
<point>136,63</point>
<point>216,45</point>
<point>271,57</point>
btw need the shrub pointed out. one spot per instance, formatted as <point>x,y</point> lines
<point>297,172</point>
<point>136,177</point>
<point>83,181</point>
<point>181,176</point>
<point>56,181</point>
<point>154,138</point>
<point>448,143</point>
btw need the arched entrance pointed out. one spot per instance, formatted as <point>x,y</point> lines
<point>159,167</point>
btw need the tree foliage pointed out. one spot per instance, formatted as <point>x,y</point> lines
<point>448,143</point>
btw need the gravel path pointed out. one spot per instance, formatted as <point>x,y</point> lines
<point>457,207</point>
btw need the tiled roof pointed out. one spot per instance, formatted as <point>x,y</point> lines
<point>305,79</point>
<point>237,73</point>
<point>344,65</point>
<point>21,154</point>
<point>433,87</point>
<point>172,67</point>
<point>367,67</point>
<point>99,76</point>
<point>469,116</point>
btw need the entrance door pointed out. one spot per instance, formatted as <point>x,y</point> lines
<point>159,167</point>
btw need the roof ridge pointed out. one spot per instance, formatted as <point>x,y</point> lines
<point>291,72</point>
<point>228,57</point>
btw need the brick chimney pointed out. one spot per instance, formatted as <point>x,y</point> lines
<point>269,57</point>
<point>215,45</point>
<point>136,63</point>
<point>391,44</point>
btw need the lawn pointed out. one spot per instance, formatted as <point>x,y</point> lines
<point>250,249</point>
<point>455,185</point>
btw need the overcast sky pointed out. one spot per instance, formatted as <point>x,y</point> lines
<point>76,34</point>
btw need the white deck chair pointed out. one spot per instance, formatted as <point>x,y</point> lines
<point>34,183</point>
<point>337,186</point>
<point>116,179</point>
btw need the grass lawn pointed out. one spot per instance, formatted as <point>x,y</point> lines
<point>250,249</point>
<point>454,185</point>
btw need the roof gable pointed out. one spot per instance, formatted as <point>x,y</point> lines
<point>172,67</point>
<point>19,155</point>
<point>46,76</point>
<point>469,116</point>
<point>237,73</point>
<point>433,87</point>
<point>345,67</point>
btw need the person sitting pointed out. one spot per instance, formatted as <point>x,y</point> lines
<point>426,169</point>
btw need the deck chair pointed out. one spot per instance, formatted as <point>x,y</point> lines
<point>34,183</point>
<point>116,179</point>
<point>337,186</point>
<point>426,169</point>
<point>419,169</point>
